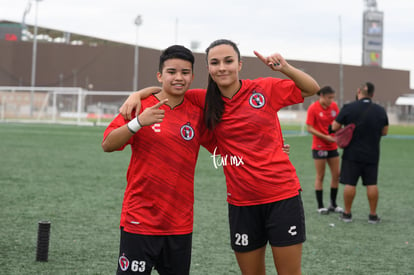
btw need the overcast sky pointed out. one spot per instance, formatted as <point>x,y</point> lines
<point>306,30</point>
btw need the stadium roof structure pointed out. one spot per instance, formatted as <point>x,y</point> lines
<point>57,36</point>
<point>405,99</point>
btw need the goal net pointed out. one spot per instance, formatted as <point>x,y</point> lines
<point>59,105</point>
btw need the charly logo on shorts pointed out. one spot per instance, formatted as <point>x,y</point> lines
<point>322,153</point>
<point>292,230</point>
<point>257,100</point>
<point>187,132</point>
<point>123,262</point>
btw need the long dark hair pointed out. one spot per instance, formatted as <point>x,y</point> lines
<point>214,104</point>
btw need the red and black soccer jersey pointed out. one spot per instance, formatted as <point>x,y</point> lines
<point>320,119</point>
<point>198,98</point>
<point>159,196</point>
<point>250,141</point>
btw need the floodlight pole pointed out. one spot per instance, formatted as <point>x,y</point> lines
<point>176,31</point>
<point>341,67</point>
<point>138,22</point>
<point>34,53</point>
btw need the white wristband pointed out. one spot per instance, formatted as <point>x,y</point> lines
<point>134,126</point>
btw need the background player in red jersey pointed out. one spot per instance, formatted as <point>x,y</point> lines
<point>157,210</point>
<point>320,115</point>
<point>262,186</point>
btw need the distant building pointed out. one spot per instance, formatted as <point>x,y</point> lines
<point>73,60</point>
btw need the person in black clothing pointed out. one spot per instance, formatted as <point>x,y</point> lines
<point>361,157</point>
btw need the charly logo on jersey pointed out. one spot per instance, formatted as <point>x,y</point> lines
<point>123,262</point>
<point>187,132</point>
<point>257,100</point>
<point>156,127</point>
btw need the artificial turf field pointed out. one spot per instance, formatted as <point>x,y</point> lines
<point>60,173</point>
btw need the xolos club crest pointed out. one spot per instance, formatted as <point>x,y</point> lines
<point>257,100</point>
<point>123,262</point>
<point>187,132</point>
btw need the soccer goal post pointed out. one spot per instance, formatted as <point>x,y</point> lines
<point>68,105</point>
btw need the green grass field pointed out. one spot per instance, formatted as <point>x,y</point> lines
<point>60,173</point>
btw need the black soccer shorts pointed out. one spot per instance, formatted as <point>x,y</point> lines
<point>324,154</point>
<point>140,254</point>
<point>352,170</point>
<point>280,223</point>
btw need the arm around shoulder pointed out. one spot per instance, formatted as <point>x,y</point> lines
<point>134,101</point>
